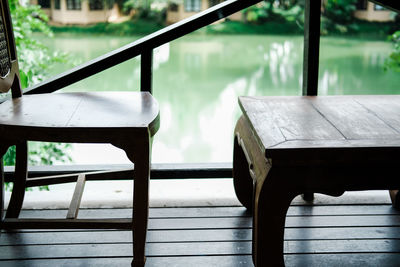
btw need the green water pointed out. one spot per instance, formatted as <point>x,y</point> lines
<point>198,78</point>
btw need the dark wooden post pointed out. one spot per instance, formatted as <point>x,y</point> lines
<point>1,192</point>
<point>146,71</point>
<point>312,23</point>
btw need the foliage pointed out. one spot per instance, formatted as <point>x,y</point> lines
<point>340,11</point>
<point>271,10</point>
<point>338,16</point>
<point>236,27</point>
<point>129,5</point>
<point>393,62</point>
<point>151,10</point>
<point>34,61</point>
<point>373,29</point>
<point>34,57</point>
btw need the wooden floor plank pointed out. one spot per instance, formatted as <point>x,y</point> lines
<point>291,222</point>
<point>338,260</point>
<point>220,261</point>
<point>202,235</point>
<point>196,249</point>
<point>196,212</point>
<point>332,235</point>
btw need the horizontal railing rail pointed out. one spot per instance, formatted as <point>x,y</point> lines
<point>158,170</point>
<point>393,5</point>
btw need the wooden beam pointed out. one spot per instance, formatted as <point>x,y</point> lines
<point>77,197</point>
<point>312,23</point>
<point>146,71</point>
<point>89,176</point>
<point>393,5</point>
<point>1,190</point>
<point>103,172</point>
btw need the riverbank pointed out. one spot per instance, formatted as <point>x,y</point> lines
<point>126,28</point>
<point>360,28</point>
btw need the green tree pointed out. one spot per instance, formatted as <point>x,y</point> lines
<point>276,11</point>
<point>393,62</point>
<point>152,10</point>
<point>34,62</point>
<point>338,15</point>
<point>34,58</point>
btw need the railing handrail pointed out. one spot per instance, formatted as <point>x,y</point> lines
<point>141,46</point>
<point>389,4</point>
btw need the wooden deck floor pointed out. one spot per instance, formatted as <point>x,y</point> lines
<point>320,235</point>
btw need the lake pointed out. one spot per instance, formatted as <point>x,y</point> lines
<point>198,78</point>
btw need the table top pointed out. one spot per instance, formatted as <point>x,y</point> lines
<point>325,126</point>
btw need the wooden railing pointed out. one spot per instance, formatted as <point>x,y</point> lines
<point>144,47</point>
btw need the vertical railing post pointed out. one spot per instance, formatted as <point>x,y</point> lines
<point>1,192</point>
<point>312,21</point>
<point>146,71</point>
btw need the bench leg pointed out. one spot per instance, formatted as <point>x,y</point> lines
<point>20,175</point>
<point>272,198</point>
<point>3,150</point>
<point>141,156</point>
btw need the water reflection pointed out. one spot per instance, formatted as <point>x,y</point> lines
<point>281,57</point>
<point>198,78</point>
<point>160,55</point>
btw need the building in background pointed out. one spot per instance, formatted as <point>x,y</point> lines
<point>372,12</point>
<point>186,8</point>
<point>94,11</point>
<point>79,11</point>
<point>178,11</point>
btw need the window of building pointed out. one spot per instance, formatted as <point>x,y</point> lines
<point>110,4</point>
<point>378,7</point>
<point>44,3</point>
<point>192,5</point>
<point>362,5</point>
<point>96,4</point>
<point>213,2</point>
<point>173,7</point>
<point>57,4</point>
<point>73,4</point>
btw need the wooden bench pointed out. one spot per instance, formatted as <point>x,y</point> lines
<point>286,146</point>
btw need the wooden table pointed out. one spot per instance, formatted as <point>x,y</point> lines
<point>286,146</point>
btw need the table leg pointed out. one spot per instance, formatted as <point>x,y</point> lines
<point>395,198</point>
<point>309,197</point>
<point>271,202</point>
<point>242,181</point>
